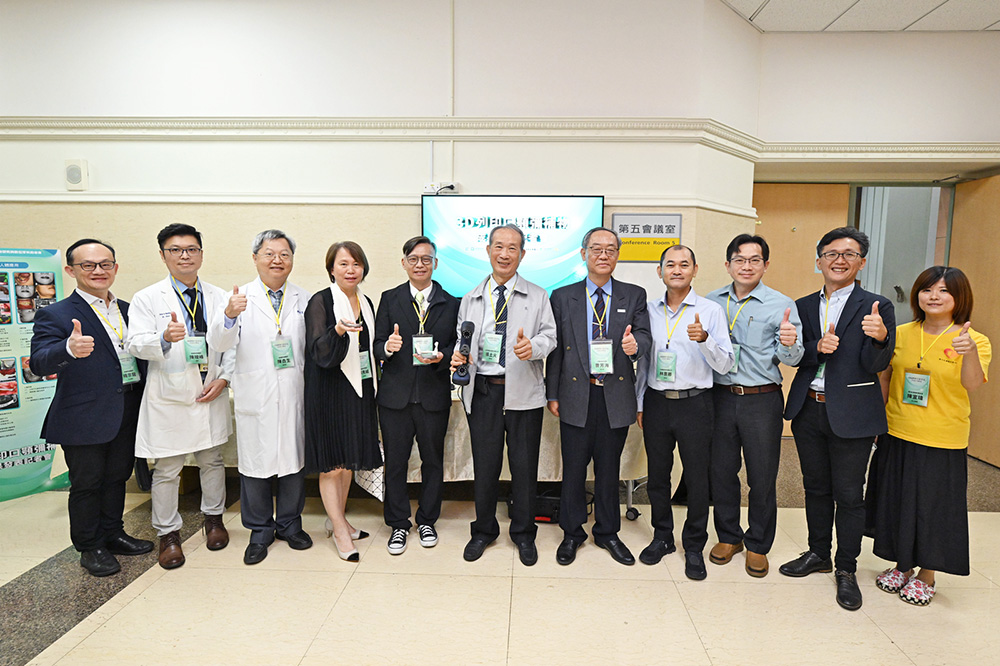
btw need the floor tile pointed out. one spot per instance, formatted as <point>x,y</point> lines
<point>12,566</point>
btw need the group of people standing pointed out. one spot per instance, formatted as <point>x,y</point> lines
<point>316,378</point>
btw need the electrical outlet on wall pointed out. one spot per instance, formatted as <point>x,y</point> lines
<point>441,188</point>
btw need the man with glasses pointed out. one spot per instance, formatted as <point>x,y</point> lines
<point>95,408</point>
<point>185,408</point>
<point>764,330</point>
<point>836,406</point>
<point>414,331</point>
<point>514,333</point>
<point>602,328</point>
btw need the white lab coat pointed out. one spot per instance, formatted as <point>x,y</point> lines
<point>171,423</point>
<point>270,432</point>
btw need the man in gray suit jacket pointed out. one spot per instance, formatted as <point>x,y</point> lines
<point>601,328</point>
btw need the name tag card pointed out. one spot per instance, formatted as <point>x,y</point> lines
<point>736,361</point>
<point>492,342</point>
<point>916,387</point>
<point>130,370</point>
<point>281,352</point>
<point>666,366</point>
<point>366,365</point>
<point>821,370</point>
<point>601,356</point>
<point>195,349</point>
<point>423,345</point>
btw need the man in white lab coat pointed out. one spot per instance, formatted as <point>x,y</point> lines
<point>185,409</point>
<point>264,321</point>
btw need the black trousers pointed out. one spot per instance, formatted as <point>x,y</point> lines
<point>97,476</point>
<point>688,424</point>
<point>399,426</point>
<point>833,474</point>
<point>604,444</point>
<point>751,425</point>
<point>488,424</point>
<point>263,512</point>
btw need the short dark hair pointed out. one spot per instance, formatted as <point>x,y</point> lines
<point>409,245</point>
<point>958,286</point>
<point>352,249</point>
<point>844,232</point>
<point>176,229</point>
<point>512,227</point>
<point>747,239</point>
<point>591,232</point>
<point>678,247</point>
<point>86,241</point>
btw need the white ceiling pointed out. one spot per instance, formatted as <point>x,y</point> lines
<point>869,15</point>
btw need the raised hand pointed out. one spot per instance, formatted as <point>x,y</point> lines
<point>522,346</point>
<point>873,326</point>
<point>695,330</point>
<point>829,342</point>
<point>395,341</point>
<point>629,345</point>
<point>237,303</point>
<point>963,343</point>
<point>79,344</point>
<point>175,330</point>
<point>786,330</point>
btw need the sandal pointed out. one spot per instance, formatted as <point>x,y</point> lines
<point>892,580</point>
<point>917,592</point>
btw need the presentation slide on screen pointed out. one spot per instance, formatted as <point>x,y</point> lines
<point>553,227</point>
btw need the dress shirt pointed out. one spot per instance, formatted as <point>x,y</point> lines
<point>755,325</point>
<point>165,345</point>
<point>111,318</point>
<point>413,293</point>
<point>832,316</point>
<point>489,323</point>
<point>695,360</point>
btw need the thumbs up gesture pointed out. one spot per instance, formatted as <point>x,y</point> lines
<point>237,303</point>
<point>80,345</point>
<point>695,331</point>
<point>829,342</point>
<point>522,346</point>
<point>786,330</point>
<point>964,344</point>
<point>175,330</point>
<point>629,345</point>
<point>873,326</point>
<point>395,341</point>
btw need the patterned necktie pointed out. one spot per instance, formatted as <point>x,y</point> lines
<point>199,314</point>
<point>501,323</point>
<point>596,330</point>
<point>275,299</point>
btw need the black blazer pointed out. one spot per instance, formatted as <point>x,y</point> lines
<point>399,375</point>
<point>88,404</point>
<point>854,402</point>
<point>567,370</point>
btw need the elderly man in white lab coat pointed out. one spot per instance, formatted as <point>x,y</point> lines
<point>264,321</point>
<point>185,409</point>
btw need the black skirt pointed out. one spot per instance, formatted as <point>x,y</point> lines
<point>916,506</point>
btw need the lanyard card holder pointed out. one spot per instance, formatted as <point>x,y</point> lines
<point>666,366</point>
<point>130,369</point>
<point>916,387</point>
<point>601,356</point>
<point>366,365</point>
<point>492,342</point>
<point>736,359</point>
<point>281,352</point>
<point>196,350</point>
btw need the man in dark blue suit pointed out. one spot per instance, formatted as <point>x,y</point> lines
<point>836,406</point>
<point>94,412</point>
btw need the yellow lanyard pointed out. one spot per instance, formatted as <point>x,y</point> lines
<point>923,351</point>
<point>197,293</point>
<point>670,331</point>
<point>281,304</point>
<point>422,318</point>
<point>600,320</point>
<point>826,314</point>
<point>733,322</point>
<point>120,331</point>
<point>496,315</point>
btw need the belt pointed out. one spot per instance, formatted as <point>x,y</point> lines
<point>596,382</point>
<point>677,395</point>
<point>751,390</point>
<point>494,379</point>
<point>818,397</point>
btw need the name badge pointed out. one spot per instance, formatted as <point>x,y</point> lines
<point>423,345</point>
<point>736,359</point>
<point>130,370</point>
<point>916,387</point>
<point>281,352</point>
<point>366,365</point>
<point>195,349</point>
<point>601,356</point>
<point>821,370</point>
<point>492,343</point>
<point>666,366</point>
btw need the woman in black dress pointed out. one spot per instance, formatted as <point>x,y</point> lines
<point>340,383</point>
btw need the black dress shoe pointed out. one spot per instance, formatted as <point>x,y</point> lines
<point>848,592</point>
<point>566,552</point>
<point>255,553</point>
<point>99,562</point>
<point>619,551</point>
<point>474,549</point>
<point>527,552</point>
<point>694,565</point>
<point>298,541</point>
<point>655,551</point>
<point>123,544</point>
<point>805,564</point>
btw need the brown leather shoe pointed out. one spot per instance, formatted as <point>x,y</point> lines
<point>216,536</point>
<point>171,555</point>
<point>756,564</point>
<point>723,552</point>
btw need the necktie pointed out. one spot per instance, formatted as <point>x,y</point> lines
<point>596,330</point>
<point>501,323</point>
<point>420,302</point>
<point>275,299</point>
<point>199,313</point>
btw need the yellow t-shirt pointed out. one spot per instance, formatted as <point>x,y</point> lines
<point>944,422</point>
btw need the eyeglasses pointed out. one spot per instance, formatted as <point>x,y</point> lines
<point>603,251</point>
<point>756,262</point>
<point>90,266</point>
<point>426,259</point>
<point>832,256</point>
<point>180,251</point>
<point>270,256</point>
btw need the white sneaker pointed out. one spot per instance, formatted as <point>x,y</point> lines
<point>397,542</point>
<point>428,536</point>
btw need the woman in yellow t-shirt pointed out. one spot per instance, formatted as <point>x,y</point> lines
<point>916,499</point>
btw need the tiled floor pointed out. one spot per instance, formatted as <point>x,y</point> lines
<point>430,606</point>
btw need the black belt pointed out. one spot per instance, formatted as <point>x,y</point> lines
<point>678,395</point>
<point>494,379</point>
<point>751,390</point>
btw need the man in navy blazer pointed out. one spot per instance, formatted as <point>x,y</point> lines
<point>595,406</point>
<point>95,409</point>
<point>836,406</point>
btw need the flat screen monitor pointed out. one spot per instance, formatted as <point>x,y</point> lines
<point>553,227</point>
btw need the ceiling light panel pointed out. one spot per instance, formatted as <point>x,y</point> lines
<point>883,15</point>
<point>961,15</point>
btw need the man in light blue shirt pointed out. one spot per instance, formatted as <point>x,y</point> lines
<point>765,331</point>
